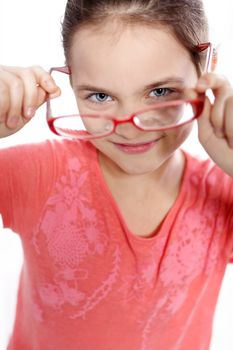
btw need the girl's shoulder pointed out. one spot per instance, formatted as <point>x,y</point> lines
<point>200,164</point>
<point>60,149</point>
<point>203,174</point>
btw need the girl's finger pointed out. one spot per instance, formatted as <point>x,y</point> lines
<point>217,116</point>
<point>38,86</point>
<point>45,81</point>
<point>30,99</point>
<point>12,103</point>
<point>205,129</point>
<point>228,127</point>
<point>222,90</point>
<point>212,81</point>
<point>4,100</point>
<point>43,78</point>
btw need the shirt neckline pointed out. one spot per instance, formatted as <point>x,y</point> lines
<point>166,222</point>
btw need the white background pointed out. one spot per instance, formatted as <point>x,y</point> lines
<point>30,35</point>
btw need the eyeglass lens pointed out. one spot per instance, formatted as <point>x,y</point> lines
<point>157,118</point>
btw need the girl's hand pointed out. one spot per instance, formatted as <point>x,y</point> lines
<point>215,125</point>
<point>22,91</point>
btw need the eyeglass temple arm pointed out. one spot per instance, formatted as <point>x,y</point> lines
<point>211,55</point>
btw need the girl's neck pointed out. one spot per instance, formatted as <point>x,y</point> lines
<point>168,175</point>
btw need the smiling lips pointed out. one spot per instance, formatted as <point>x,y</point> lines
<point>136,148</point>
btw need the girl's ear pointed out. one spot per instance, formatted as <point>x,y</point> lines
<point>214,60</point>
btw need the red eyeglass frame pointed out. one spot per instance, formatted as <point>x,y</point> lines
<point>198,102</point>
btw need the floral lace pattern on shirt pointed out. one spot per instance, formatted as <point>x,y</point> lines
<point>74,237</point>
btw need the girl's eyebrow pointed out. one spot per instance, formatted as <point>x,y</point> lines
<point>178,81</point>
<point>167,81</point>
<point>88,87</point>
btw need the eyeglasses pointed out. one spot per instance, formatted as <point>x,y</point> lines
<point>158,117</point>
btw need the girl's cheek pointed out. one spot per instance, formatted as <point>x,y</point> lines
<point>185,132</point>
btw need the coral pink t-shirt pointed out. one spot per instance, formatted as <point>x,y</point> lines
<point>87,282</point>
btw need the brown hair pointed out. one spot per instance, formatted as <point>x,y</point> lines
<point>185,18</point>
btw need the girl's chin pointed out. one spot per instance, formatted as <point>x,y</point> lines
<point>131,166</point>
<point>138,170</point>
<point>134,164</point>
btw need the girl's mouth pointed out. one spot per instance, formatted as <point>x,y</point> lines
<point>137,147</point>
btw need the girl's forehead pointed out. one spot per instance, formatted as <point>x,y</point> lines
<point>115,35</point>
<point>134,51</point>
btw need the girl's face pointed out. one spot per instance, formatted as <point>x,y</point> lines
<point>118,70</point>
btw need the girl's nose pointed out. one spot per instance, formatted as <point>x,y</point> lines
<point>127,130</point>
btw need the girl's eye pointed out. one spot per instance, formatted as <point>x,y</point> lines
<point>99,97</point>
<point>160,92</point>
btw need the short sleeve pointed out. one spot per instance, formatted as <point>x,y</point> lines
<point>26,176</point>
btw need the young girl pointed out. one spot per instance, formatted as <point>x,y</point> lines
<point>126,237</point>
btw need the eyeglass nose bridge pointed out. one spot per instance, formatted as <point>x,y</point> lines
<point>128,119</point>
<point>127,126</point>
<point>131,119</point>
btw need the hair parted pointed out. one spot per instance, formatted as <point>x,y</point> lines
<point>185,18</point>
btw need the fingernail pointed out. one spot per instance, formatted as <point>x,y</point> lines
<point>13,122</point>
<point>50,84</point>
<point>30,112</point>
